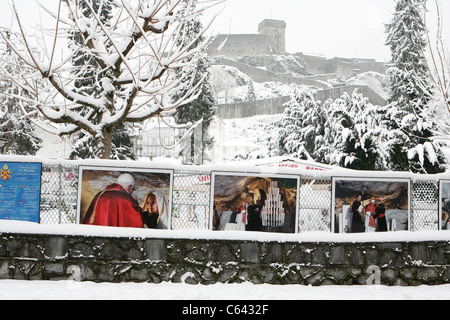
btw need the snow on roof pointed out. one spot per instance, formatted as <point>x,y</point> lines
<point>261,166</point>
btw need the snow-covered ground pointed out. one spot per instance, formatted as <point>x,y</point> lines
<point>71,290</point>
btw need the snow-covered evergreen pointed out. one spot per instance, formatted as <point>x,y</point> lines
<point>344,132</point>
<point>202,107</point>
<point>352,134</point>
<point>17,134</point>
<point>302,126</point>
<point>409,142</point>
<point>251,95</point>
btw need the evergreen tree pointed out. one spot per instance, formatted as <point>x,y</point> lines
<point>302,126</point>
<point>251,95</point>
<point>409,142</point>
<point>345,132</point>
<point>17,134</point>
<point>202,108</point>
<point>352,134</point>
<point>87,80</point>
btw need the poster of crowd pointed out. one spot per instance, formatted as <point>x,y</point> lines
<point>131,198</point>
<point>254,202</point>
<point>444,205</point>
<point>370,205</point>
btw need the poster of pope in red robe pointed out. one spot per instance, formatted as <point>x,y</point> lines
<point>125,197</point>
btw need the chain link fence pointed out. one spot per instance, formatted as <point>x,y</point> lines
<point>192,192</point>
<point>59,194</point>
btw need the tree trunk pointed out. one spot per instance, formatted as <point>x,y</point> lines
<point>104,145</point>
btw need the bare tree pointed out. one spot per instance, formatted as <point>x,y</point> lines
<point>439,61</point>
<point>137,53</point>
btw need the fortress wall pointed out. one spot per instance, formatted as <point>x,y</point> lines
<point>237,45</point>
<point>276,105</point>
<point>252,108</point>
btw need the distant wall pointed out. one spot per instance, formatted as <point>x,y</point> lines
<point>276,105</point>
<point>252,108</point>
<point>337,92</point>
<point>103,259</point>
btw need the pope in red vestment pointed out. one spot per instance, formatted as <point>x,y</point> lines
<point>115,207</point>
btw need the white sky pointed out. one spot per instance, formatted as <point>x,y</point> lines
<point>334,28</point>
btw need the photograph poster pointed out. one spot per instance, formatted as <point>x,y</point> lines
<point>20,191</point>
<point>444,206</point>
<point>370,205</point>
<point>131,198</point>
<point>254,202</point>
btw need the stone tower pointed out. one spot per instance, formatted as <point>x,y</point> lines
<point>275,31</point>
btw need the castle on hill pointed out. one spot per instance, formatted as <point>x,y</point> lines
<point>271,40</point>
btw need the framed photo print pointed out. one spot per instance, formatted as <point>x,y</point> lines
<point>125,197</point>
<point>444,205</point>
<point>20,191</point>
<point>254,202</point>
<point>370,205</point>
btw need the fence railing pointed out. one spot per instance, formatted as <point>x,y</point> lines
<point>192,191</point>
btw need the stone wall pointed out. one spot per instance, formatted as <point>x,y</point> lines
<point>274,106</point>
<point>249,109</point>
<point>115,259</point>
<point>236,45</point>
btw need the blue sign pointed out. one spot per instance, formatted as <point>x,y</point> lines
<point>20,191</point>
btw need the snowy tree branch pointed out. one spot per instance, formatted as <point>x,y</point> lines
<point>133,66</point>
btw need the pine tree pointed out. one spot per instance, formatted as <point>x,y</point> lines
<point>302,126</point>
<point>202,108</point>
<point>345,132</point>
<point>251,95</point>
<point>87,80</point>
<point>409,142</point>
<point>17,134</point>
<point>352,134</point>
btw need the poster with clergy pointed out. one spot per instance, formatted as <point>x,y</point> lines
<point>362,205</point>
<point>125,197</point>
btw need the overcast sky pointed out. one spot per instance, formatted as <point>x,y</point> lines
<point>334,28</point>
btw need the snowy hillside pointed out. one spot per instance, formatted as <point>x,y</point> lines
<point>375,81</point>
<point>232,85</point>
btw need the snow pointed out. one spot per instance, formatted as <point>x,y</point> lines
<point>7,226</point>
<point>71,290</point>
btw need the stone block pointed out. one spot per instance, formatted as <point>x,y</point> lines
<point>155,250</point>
<point>419,253</point>
<point>338,256</point>
<point>250,252</point>
<point>56,247</point>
